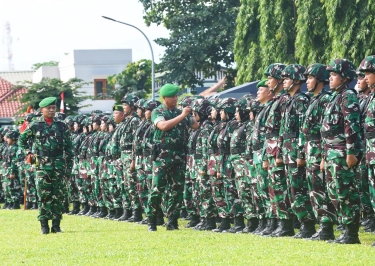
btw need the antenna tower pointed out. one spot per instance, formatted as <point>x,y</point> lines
<point>8,43</point>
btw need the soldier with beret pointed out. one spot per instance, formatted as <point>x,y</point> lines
<point>169,164</point>
<point>51,153</point>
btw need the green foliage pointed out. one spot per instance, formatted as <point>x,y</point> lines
<point>201,37</point>
<point>53,88</point>
<point>36,66</point>
<point>135,78</point>
<point>87,241</point>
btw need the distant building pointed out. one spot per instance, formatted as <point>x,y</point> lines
<point>91,66</point>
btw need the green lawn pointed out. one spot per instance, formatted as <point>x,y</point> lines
<point>88,241</point>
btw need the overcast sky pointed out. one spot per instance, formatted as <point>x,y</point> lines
<point>44,30</point>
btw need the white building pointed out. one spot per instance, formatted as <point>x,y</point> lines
<point>91,66</point>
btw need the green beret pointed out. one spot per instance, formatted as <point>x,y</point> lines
<point>169,90</point>
<point>118,108</point>
<point>47,101</point>
<point>262,83</point>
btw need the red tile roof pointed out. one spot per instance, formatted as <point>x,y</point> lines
<point>9,99</point>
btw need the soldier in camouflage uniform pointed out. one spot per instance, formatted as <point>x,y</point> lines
<point>225,192</point>
<point>169,158</point>
<point>255,144</point>
<point>291,125</point>
<point>364,92</point>
<point>11,179</point>
<point>310,151</point>
<point>272,160</point>
<point>342,148</point>
<point>367,66</point>
<point>2,146</point>
<point>52,152</point>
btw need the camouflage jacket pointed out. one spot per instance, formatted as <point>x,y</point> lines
<point>51,143</point>
<point>201,158</point>
<point>92,144</point>
<point>312,123</point>
<point>113,150</point>
<point>11,159</point>
<point>369,128</point>
<point>238,138</point>
<point>291,126</point>
<point>223,144</point>
<point>130,127</point>
<point>273,124</point>
<point>341,125</point>
<point>138,137</point>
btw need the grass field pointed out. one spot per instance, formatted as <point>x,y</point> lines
<point>88,241</point>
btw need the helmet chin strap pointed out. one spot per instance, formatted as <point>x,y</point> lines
<point>291,86</point>
<point>274,88</point>
<point>316,85</point>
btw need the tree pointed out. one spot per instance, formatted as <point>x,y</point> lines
<point>135,78</point>
<point>36,66</point>
<point>36,92</point>
<point>201,37</point>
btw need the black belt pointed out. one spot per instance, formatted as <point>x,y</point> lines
<point>272,134</point>
<point>147,153</point>
<point>289,135</point>
<point>191,151</point>
<point>50,153</point>
<point>224,151</point>
<point>198,156</point>
<point>212,151</point>
<point>313,137</point>
<point>258,146</point>
<point>126,147</point>
<point>237,150</point>
<point>173,147</point>
<point>334,132</point>
<point>369,135</point>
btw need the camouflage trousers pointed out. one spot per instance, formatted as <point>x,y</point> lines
<point>323,208</point>
<point>279,190</point>
<point>95,181</point>
<point>131,184</point>
<point>191,194</point>
<point>263,206</point>
<point>31,187</point>
<point>363,188</point>
<point>12,189</point>
<point>168,178</point>
<point>116,183</point>
<point>207,208</point>
<point>342,189</point>
<point>371,178</point>
<point>73,189</point>
<point>50,193</point>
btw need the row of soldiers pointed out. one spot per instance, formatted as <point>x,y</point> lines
<point>281,156</point>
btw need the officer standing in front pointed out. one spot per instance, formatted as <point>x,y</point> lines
<point>51,140</point>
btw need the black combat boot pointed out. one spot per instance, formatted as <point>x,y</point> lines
<point>152,224</point>
<point>85,209</point>
<point>193,222</point>
<point>172,223</point>
<point>370,225</point>
<point>111,214</point>
<point>76,205</point>
<point>160,218</point>
<point>136,217</point>
<point>92,211</point>
<point>238,225</point>
<point>126,214</point>
<point>261,226</point>
<point>251,225</point>
<point>286,229</point>
<point>66,207</point>
<point>103,212</point>
<point>343,233</point>
<point>270,228</point>
<point>44,227</point>
<point>35,206</point>
<point>56,226</point>
<point>16,205</point>
<point>202,222</point>
<point>351,236</point>
<point>224,225</point>
<point>29,205</point>
<point>209,225</point>
<point>296,223</point>
<point>364,219</point>
<point>307,230</point>
<point>183,213</point>
<point>144,221</point>
<point>5,206</point>
<point>325,232</point>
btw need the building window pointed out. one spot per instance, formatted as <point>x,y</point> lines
<point>102,90</point>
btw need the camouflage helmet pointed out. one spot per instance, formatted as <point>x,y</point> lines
<point>60,116</point>
<point>254,106</point>
<point>243,102</point>
<point>151,104</point>
<point>140,103</point>
<point>341,66</point>
<point>360,73</point>
<point>93,112</point>
<point>69,120</point>
<point>202,107</point>
<point>367,64</point>
<point>97,118</point>
<point>79,119</point>
<point>12,134</point>
<point>30,117</point>
<point>186,101</point>
<point>38,112</point>
<point>294,71</point>
<point>130,99</point>
<point>228,105</point>
<point>319,71</point>
<point>214,102</point>
<point>274,70</point>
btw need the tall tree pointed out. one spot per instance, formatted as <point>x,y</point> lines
<point>36,92</point>
<point>201,36</point>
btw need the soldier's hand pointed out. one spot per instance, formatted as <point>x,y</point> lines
<point>279,162</point>
<point>202,173</point>
<point>322,166</point>
<point>186,111</point>
<point>30,158</point>
<point>132,165</point>
<point>301,162</point>
<point>12,176</point>
<point>218,175</point>
<point>351,160</point>
<point>266,165</point>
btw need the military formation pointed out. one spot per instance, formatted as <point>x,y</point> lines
<point>264,164</point>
